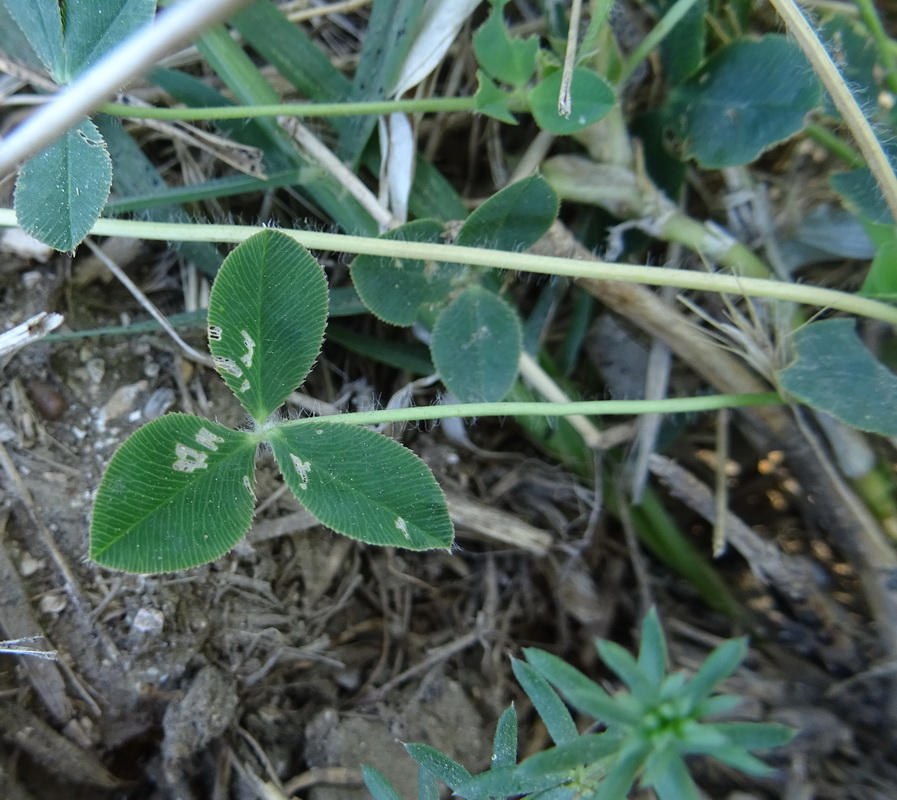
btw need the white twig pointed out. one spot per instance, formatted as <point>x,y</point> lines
<point>564,101</point>
<point>317,151</point>
<point>21,647</point>
<point>29,331</point>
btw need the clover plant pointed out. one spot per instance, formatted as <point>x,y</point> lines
<point>180,491</point>
<point>647,730</point>
<point>476,334</point>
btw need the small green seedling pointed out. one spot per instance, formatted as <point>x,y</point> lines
<point>510,61</point>
<point>180,491</point>
<point>648,731</point>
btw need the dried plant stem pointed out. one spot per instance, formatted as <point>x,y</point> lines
<point>564,101</point>
<point>845,102</point>
<point>144,301</point>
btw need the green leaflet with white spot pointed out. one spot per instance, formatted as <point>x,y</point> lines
<point>591,98</point>
<point>363,484</point>
<point>267,314</point>
<point>177,493</point>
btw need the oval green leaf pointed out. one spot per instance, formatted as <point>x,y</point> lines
<point>834,372</point>
<point>177,493</point>
<point>861,192</point>
<point>267,314</point>
<point>513,219</point>
<point>61,191</point>
<point>92,30</point>
<point>881,280</point>
<point>363,485</point>
<point>41,24</point>
<point>476,346</point>
<point>507,59</point>
<point>493,101</point>
<point>394,289</point>
<point>748,97</point>
<point>590,99</point>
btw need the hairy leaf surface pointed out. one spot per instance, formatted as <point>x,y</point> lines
<point>748,97</point>
<point>476,346</point>
<point>61,191</point>
<point>94,28</point>
<point>177,493</point>
<point>513,219</point>
<point>363,484</point>
<point>267,314</point>
<point>395,288</point>
<point>834,372</point>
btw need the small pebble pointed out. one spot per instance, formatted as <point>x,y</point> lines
<point>28,565</point>
<point>122,400</point>
<point>53,603</point>
<point>148,620</point>
<point>47,400</point>
<point>96,369</point>
<point>158,403</point>
<point>31,279</point>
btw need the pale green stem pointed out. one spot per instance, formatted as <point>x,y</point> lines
<point>834,144</point>
<point>498,259</point>
<point>670,405</point>
<point>869,15</point>
<point>657,34</point>
<point>845,102</point>
<point>429,105</point>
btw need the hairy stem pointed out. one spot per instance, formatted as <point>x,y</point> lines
<point>432,105</point>
<point>498,259</point>
<point>672,405</point>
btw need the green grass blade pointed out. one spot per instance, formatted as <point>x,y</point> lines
<point>190,91</point>
<point>249,86</point>
<point>133,173</point>
<point>386,42</point>
<point>214,189</point>
<point>412,357</point>
<point>293,54</point>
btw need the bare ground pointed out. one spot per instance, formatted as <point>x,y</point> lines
<point>280,669</point>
